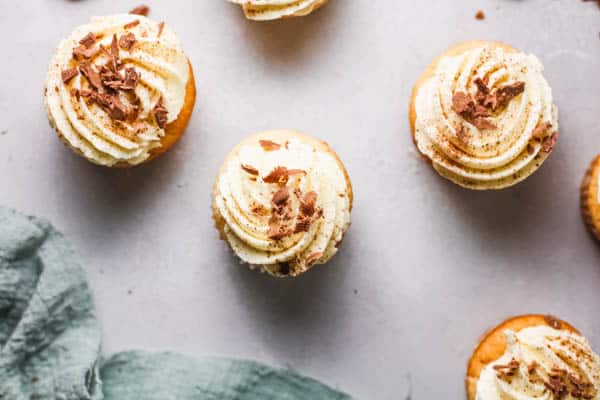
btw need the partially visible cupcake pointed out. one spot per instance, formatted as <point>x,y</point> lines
<point>265,10</point>
<point>120,90</point>
<point>282,201</point>
<point>483,115</point>
<point>590,198</point>
<point>533,357</point>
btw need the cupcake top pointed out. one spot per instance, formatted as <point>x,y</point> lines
<point>114,85</point>
<point>542,363</point>
<point>485,118</point>
<point>285,204</point>
<point>264,10</point>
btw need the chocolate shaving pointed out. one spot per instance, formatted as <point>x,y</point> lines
<point>553,322</point>
<point>541,130</point>
<point>68,74</point>
<point>308,203</point>
<point>278,231</point>
<point>557,384</point>
<point>308,211</point>
<point>549,143</point>
<point>250,169</point>
<point>91,74</point>
<point>508,370</point>
<point>82,52</point>
<point>281,197</point>
<point>531,367</point>
<point>131,79</point>
<point>508,92</point>
<point>160,113</point>
<point>279,175</point>
<point>88,40</point>
<point>131,24</point>
<point>580,389</point>
<point>268,145</point>
<point>302,224</point>
<point>313,258</point>
<point>127,41</point>
<point>161,26</point>
<point>483,123</point>
<point>142,10</point>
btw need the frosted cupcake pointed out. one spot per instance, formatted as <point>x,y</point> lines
<point>265,10</point>
<point>483,115</point>
<point>120,90</point>
<point>590,198</point>
<point>282,201</point>
<point>534,357</point>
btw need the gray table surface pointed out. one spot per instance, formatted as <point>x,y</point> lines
<point>427,267</point>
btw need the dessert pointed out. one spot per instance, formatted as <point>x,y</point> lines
<point>282,201</point>
<point>120,90</point>
<point>264,10</point>
<point>482,114</point>
<point>590,198</point>
<point>533,357</point>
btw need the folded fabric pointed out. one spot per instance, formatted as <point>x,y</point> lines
<point>164,376</point>
<point>50,341</point>
<point>49,336</point>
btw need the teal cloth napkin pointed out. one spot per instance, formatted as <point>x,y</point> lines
<point>167,376</point>
<point>49,336</point>
<point>50,340</point>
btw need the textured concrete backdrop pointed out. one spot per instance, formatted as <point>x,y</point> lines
<point>427,267</point>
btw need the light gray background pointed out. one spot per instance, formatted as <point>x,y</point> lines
<point>427,267</point>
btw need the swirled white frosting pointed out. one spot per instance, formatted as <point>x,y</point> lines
<point>491,158</point>
<point>538,351</point>
<point>164,72</point>
<point>244,201</point>
<point>263,10</point>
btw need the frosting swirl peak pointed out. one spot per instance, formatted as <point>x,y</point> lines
<point>485,116</point>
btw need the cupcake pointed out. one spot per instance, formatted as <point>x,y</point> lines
<point>533,357</point>
<point>265,10</point>
<point>282,201</point>
<point>120,90</point>
<point>590,198</point>
<point>482,114</point>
